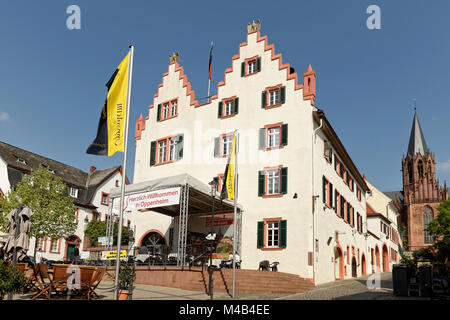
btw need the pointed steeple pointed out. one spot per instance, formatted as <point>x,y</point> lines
<point>417,140</point>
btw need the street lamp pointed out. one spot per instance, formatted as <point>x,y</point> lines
<point>212,237</point>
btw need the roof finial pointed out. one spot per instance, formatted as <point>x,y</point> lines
<point>415,104</point>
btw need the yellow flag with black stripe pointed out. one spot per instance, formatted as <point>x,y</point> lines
<point>228,184</point>
<point>110,132</point>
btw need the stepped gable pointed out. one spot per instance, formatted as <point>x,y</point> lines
<point>191,93</point>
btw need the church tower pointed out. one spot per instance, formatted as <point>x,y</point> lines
<point>421,191</point>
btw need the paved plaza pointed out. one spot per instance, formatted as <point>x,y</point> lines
<point>350,289</point>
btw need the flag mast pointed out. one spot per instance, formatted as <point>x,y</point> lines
<point>236,133</point>
<point>125,151</point>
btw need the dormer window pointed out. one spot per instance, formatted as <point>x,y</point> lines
<point>22,161</point>
<point>73,192</point>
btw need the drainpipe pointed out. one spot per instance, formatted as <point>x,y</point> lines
<point>314,199</point>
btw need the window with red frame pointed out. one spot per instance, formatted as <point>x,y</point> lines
<point>105,199</point>
<point>167,110</point>
<point>273,97</point>
<point>223,145</point>
<point>273,136</point>
<point>327,192</point>
<point>358,193</point>
<point>54,245</point>
<point>327,151</point>
<point>337,203</point>
<point>250,66</point>
<point>272,234</point>
<point>272,182</point>
<point>228,107</point>
<point>166,150</point>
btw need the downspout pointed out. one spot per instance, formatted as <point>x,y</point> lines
<point>314,200</point>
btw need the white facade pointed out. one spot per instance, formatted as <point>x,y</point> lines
<point>311,225</point>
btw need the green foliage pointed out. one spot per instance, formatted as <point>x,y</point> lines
<point>127,275</point>
<point>46,195</point>
<point>440,230</point>
<point>97,229</point>
<point>11,279</point>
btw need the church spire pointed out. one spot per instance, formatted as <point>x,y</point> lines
<point>417,140</point>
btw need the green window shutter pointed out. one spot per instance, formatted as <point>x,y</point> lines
<point>335,162</point>
<point>353,185</point>
<point>236,106</point>
<point>283,233</point>
<point>264,99</point>
<point>220,109</point>
<point>152,153</point>
<point>342,207</point>
<point>179,147</point>
<point>348,212</point>
<point>331,195</point>
<point>260,235</point>
<point>261,183</point>
<point>283,94</point>
<point>335,201</point>
<point>324,190</point>
<point>158,116</point>
<point>284,134</point>
<point>284,178</point>
<point>258,64</point>
<point>242,69</point>
<point>216,147</point>
<point>262,138</point>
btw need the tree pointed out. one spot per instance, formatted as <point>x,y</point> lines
<point>46,195</point>
<point>439,228</point>
<point>97,229</point>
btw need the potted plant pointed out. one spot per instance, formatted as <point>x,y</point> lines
<point>12,280</point>
<point>127,275</point>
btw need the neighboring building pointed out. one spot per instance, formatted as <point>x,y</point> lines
<point>382,215</point>
<point>421,193</point>
<point>303,198</point>
<point>90,193</point>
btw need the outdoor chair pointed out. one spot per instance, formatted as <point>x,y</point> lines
<point>264,265</point>
<point>96,279</point>
<point>274,266</point>
<point>47,284</point>
<point>86,280</point>
<point>32,279</point>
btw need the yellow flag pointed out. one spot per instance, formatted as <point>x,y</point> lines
<point>116,102</point>
<point>230,171</point>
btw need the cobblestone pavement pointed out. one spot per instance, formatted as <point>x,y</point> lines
<point>350,289</point>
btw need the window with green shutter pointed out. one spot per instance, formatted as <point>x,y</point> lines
<point>283,94</point>
<point>242,69</point>
<point>152,153</point>
<point>261,183</point>
<point>260,235</point>
<point>236,106</point>
<point>283,233</point>
<point>158,116</point>
<point>258,64</point>
<point>264,99</point>
<point>284,178</point>
<point>220,109</point>
<point>284,134</point>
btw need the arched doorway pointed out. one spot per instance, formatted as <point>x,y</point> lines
<point>338,263</point>
<point>363,265</point>
<point>377,260</point>
<point>71,242</point>
<point>154,241</point>
<point>385,259</point>
<point>354,270</point>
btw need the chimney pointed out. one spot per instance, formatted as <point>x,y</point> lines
<point>92,169</point>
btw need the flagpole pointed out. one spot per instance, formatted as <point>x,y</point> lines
<point>124,170</point>
<point>209,79</point>
<point>235,206</point>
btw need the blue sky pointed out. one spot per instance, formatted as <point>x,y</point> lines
<point>52,83</point>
